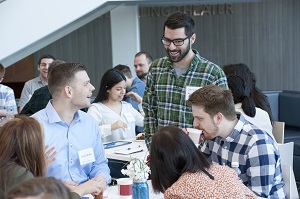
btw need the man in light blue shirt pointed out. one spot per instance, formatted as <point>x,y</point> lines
<point>74,134</point>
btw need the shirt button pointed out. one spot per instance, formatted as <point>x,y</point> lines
<point>71,161</point>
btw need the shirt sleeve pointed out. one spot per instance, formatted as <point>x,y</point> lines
<point>100,166</point>
<point>138,91</point>
<point>25,95</point>
<point>11,95</point>
<point>139,119</point>
<point>220,78</point>
<point>263,166</point>
<point>97,114</point>
<point>27,107</point>
<point>205,150</point>
<point>150,109</point>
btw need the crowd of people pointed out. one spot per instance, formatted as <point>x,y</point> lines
<point>60,146</point>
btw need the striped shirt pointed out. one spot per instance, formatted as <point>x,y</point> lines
<point>6,93</point>
<point>164,101</point>
<point>257,155</point>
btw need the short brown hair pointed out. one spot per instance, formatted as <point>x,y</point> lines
<point>2,71</point>
<point>62,75</point>
<point>214,99</point>
<point>124,69</point>
<point>21,144</point>
<point>54,64</point>
<point>148,56</point>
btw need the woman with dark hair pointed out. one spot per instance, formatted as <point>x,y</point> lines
<point>248,99</point>
<point>117,119</point>
<point>22,156</point>
<point>180,170</point>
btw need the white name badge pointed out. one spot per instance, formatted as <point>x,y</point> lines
<point>189,90</point>
<point>86,156</point>
<point>129,117</point>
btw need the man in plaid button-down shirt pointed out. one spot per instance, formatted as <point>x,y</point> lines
<point>231,138</point>
<point>171,79</point>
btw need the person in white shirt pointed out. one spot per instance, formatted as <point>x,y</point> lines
<point>248,99</point>
<point>116,118</point>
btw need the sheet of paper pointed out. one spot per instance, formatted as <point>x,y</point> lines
<point>129,151</point>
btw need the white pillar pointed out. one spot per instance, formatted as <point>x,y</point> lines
<point>125,35</point>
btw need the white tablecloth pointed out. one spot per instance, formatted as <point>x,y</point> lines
<point>110,153</point>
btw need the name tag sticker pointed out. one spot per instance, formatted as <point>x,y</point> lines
<point>129,117</point>
<point>189,90</point>
<point>86,156</point>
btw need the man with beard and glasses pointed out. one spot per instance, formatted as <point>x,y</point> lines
<point>142,61</point>
<point>231,138</point>
<point>173,78</point>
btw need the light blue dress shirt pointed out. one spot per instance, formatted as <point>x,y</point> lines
<point>83,133</point>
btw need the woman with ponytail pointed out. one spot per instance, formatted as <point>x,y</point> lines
<point>248,99</point>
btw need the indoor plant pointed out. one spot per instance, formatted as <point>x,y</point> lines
<point>139,171</point>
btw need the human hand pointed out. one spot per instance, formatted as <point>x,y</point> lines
<point>119,124</point>
<point>185,130</point>
<point>134,96</point>
<point>49,155</point>
<point>90,187</point>
<point>70,184</point>
<point>101,180</point>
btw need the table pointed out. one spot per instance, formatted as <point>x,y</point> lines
<point>112,192</point>
<point>110,153</point>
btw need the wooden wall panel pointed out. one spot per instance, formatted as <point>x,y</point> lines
<point>18,73</point>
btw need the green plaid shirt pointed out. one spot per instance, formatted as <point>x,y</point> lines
<point>164,100</point>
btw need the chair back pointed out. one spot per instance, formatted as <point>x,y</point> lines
<point>290,182</point>
<point>278,131</point>
<point>286,151</point>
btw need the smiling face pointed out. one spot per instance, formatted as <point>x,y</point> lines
<point>82,90</point>
<point>43,67</point>
<point>117,92</point>
<point>203,121</point>
<point>178,53</point>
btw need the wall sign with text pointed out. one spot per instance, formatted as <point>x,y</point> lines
<point>193,10</point>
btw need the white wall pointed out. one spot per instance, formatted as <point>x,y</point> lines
<point>27,26</point>
<point>125,34</point>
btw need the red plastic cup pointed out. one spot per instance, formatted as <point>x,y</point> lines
<point>125,188</point>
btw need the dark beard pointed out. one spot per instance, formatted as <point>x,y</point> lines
<point>143,76</point>
<point>187,49</point>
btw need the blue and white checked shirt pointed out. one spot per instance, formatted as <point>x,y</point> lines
<point>257,155</point>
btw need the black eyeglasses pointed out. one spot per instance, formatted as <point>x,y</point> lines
<point>176,42</point>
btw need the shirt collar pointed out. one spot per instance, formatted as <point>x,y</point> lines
<point>39,80</point>
<point>54,117</point>
<point>238,106</point>
<point>237,129</point>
